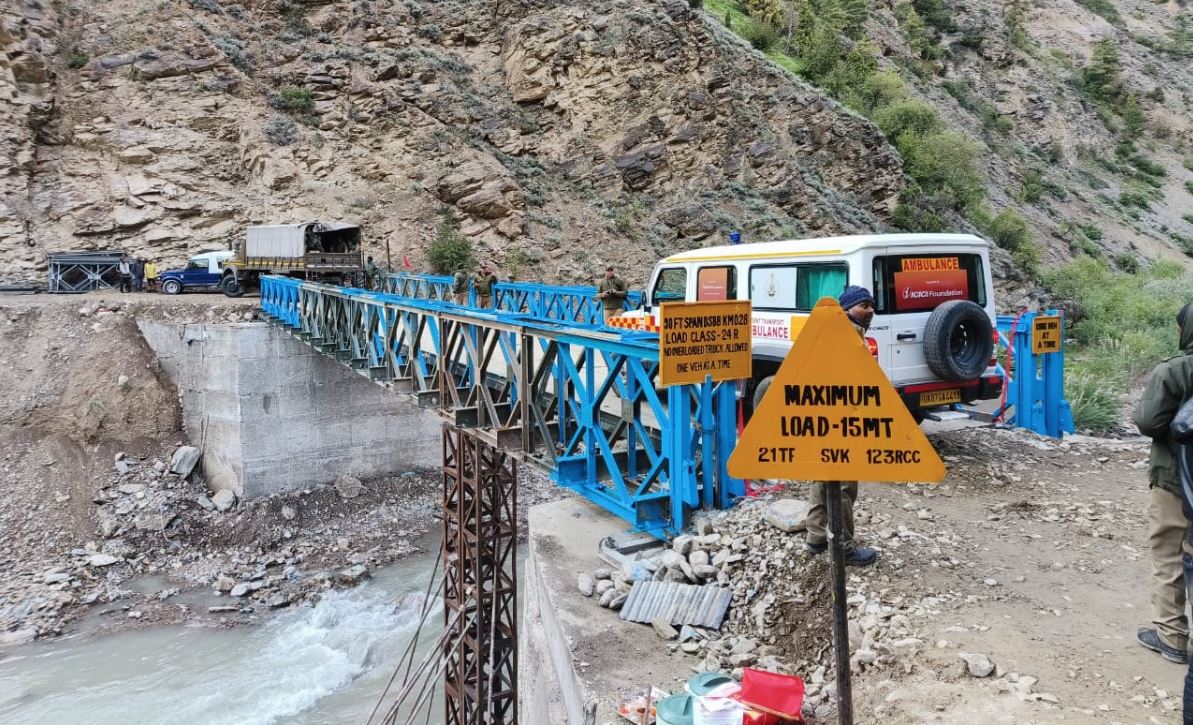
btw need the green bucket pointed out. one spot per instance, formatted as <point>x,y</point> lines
<point>676,710</point>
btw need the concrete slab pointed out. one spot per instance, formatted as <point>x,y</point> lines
<point>577,661</point>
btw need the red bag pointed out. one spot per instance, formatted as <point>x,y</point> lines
<point>772,693</point>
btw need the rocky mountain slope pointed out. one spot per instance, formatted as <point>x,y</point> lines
<point>563,136</point>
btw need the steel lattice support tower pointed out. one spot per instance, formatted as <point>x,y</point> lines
<point>480,533</point>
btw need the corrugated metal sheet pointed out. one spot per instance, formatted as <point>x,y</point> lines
<point>703,606</point>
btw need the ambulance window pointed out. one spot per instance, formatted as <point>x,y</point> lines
<point>772,286</point>
<point>819,280</point>
<point>716,283</point>
<point>795,287</point>
<point>671,286</point>
<point>919,283</point>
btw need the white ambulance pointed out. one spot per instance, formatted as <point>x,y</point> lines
<point>934,323</point>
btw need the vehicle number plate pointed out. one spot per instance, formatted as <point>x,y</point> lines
<point>940,397</point>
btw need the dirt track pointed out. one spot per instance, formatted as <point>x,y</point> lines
<point>1034,554</point>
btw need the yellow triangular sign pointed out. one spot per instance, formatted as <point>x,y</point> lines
<point>831,414</point>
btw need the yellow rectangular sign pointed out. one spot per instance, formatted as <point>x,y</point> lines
<point>704,338</point>
<point>1045,334</point>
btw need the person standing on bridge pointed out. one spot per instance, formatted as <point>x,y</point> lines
<point>1170,384</point>
<point>612,291</point>
<point>125,268</point>
<point>460,287</point>
<point>858,304</point>
<point>483,281</point>
<point>372,274</point>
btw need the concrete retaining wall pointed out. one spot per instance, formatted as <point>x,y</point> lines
<point>272,415</point>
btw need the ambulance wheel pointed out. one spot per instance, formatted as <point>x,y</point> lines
<point>958,341</point>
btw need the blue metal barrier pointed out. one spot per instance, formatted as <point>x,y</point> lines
<point>541,301</point>
<point>580,402</point>
<point>1035,383</point>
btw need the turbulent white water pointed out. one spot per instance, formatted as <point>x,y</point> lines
<point>322,664</point>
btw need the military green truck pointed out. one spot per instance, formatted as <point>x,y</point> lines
<point>327,252</point>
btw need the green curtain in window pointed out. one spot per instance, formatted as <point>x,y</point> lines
<point>816,282</point>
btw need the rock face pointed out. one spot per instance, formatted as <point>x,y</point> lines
<point>544,126</point>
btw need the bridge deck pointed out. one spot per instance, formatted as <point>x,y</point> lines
<point>540,377</point>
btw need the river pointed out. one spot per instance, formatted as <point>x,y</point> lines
<point>326,663</point>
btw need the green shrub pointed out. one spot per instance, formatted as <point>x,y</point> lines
<point>1189,186</point>
<point>1147,166</point>
<point>1093,231</point>
<point>1127,263</point>
<point>450,251</point>
<point>1095,406</point>
<point>1100,78</point>
<point>292,98</point>
<point>1188,218</point>
<point>879,91</point>
<point>945,164</point>
<point>78,59</point>
<point>919,212</point>
<point>1136,199</point>
<point>1133,118</point>
<point>758,33</point>
<point>1011,232</point>
<point>1105,8</point>
<point>908,117</point>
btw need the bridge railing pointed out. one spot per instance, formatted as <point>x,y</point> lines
<point>578,402</point>
<point>1034,393</point>
<point>542,301</point>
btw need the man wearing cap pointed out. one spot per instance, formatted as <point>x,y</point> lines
<point>483,283</point>
<point>858,304</point>
<point>612,293</point>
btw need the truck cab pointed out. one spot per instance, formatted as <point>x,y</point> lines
<point>933,331</point>
<point>201,271</point>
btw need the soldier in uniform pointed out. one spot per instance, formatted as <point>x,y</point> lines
<point>460,287</point>
<point>483,281</point>
<point>612,293</point>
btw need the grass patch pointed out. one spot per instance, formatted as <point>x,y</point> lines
<point>1128,325</point>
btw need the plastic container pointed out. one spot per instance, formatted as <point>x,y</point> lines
<point>703,683</point>
<point>676,710</point>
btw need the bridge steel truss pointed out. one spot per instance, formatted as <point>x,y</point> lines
<point>480,534</point>
<point>543,302</point>
<point>575,400</point>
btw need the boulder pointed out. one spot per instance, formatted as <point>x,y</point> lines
<point>348,486</point>
<point>223,500</point>
<point>184,460</point>
<point>978,665</point>
<point>789,515</point>
<point>586,585</point>
<point>98,560</point>
<point>354,574</point>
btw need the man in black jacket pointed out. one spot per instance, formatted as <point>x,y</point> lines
<point>1170,384</point>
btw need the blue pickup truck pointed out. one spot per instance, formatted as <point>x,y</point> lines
<point>202,271</point>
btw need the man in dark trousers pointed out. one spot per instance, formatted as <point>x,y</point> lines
<point>1170,384</point>
<point>612,292</point>
<point>138,270</point>
<point>858,304</point>
<point>125,269</point>
<point>483,282</point>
